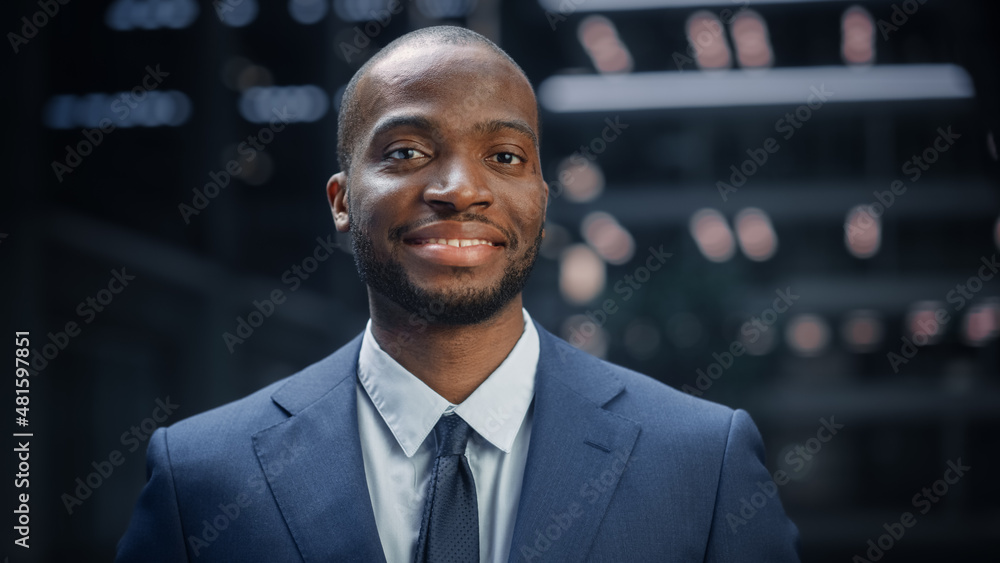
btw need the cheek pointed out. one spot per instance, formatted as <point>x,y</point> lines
<point>375,206</point>
<point>531,208</point>
<point>528,215</point>
<point>366,215</point>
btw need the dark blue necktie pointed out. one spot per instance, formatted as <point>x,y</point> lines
<point>449,531</point>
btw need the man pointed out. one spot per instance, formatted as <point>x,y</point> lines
<point>454,428</point>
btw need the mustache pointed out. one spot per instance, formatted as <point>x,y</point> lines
<point>396,234</point>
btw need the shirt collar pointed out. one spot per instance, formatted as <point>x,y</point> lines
<point>495,410</point>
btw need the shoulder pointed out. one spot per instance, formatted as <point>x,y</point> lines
<point>655,401</point>
<point>654,405</point>
<point>227,430</point>
<point>220,425</point>
<point>670,416</point>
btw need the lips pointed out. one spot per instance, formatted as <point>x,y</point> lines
<point>455,233</point>
<point>459,242</point>
<point>452,243</point>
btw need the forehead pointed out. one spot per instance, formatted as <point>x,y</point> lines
<point>447,84</point>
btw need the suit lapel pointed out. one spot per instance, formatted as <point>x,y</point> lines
<point>577,454</point>
<point>314,465</point>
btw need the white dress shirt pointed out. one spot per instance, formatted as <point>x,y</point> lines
<point>396,417</point>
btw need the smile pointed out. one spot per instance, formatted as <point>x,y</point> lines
<point>455,252</point>
<point>459,242</point>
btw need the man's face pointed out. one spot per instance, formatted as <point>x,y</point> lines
<point>445,200</point>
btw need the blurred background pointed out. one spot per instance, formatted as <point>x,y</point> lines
<point>785,206</point>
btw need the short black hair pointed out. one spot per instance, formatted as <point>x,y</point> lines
<point>349,120</point>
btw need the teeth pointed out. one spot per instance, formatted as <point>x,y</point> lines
<point>459,242</point>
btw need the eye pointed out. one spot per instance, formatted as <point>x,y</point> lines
<point>507,158</point>
<point>403,154</point>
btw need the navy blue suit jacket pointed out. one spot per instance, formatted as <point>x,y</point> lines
<point>620,468</point>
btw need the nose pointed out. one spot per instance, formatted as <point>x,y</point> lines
<point>460,185</point>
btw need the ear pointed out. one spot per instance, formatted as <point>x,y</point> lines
<point>336,193</point>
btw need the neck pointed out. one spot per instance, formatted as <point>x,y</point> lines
<point>451,360</point>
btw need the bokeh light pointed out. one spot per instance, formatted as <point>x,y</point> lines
<point>924,324</point>
<point>862,331</point>
<point>237,14</point>
<point>126,15</point>
<point>600,39</point>
<point>158,108</point>
<point>712,234</point>
<point>981,323</point>
<point>582,274</point>
<point>756,235</point>
<point>857,36</point>
<point>580,179</point>
<point>750,36</point>
<point>262,104</point>
<point>612,241</point>
<point>307,11</point>
<point>863,232</point>
<point>707,38</point>
<point>807,335</point>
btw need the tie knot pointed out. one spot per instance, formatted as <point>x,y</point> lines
<point>452,433</point>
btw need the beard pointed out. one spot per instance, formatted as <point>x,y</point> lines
<point>464,306</point>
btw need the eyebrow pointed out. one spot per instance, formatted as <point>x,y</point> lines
<point>486,128</point>
<point>398,121</point>
<point>497,125</point>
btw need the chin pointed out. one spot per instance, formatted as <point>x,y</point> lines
<point>465,306</point>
